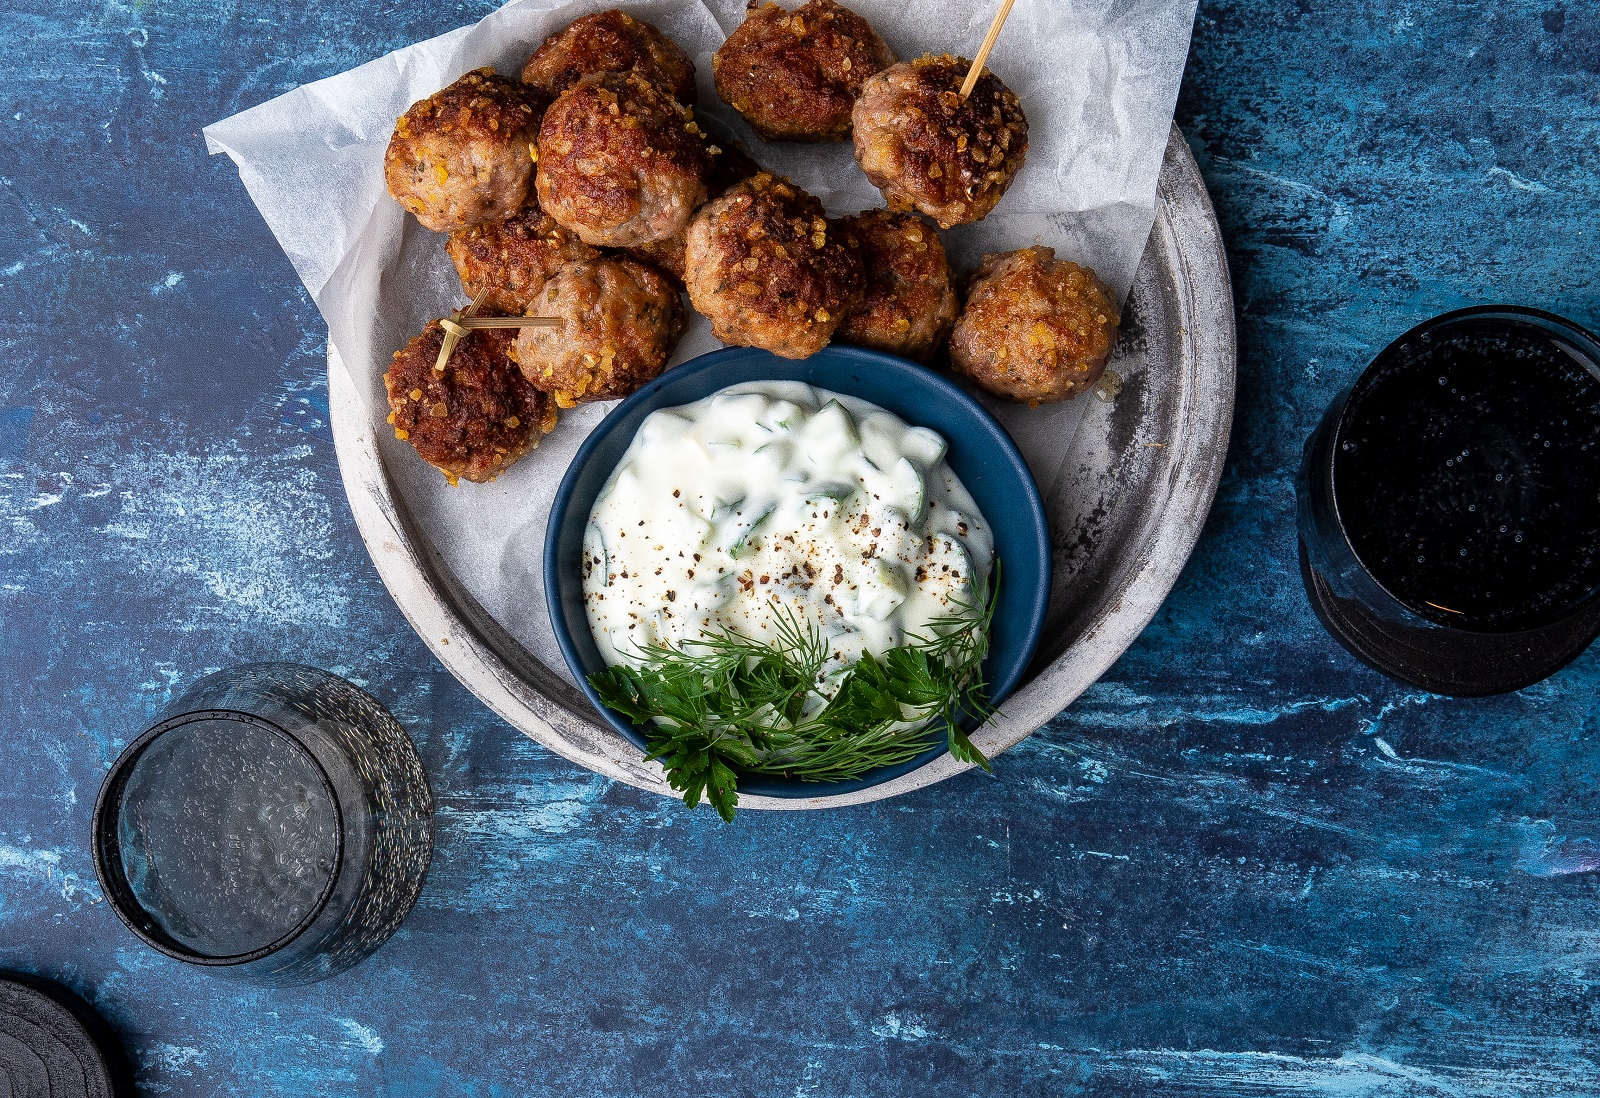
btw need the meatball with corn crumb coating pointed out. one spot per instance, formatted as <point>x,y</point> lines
<point>621,323</point>
<point>621,163</point>
<point>911,300</point>
<point>769,270</point>
<point>611,41</point>
<point>465,155</point>
<point>514,258</point>
<point>794,75</point>
<point>477,417</point>
<point>1036,329</point>
<point>928,149</point>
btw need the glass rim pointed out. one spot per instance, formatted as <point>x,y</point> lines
<point>106,848</point>
<point>1519,313</point>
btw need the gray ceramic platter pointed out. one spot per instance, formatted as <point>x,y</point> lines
<point>1134,489</point>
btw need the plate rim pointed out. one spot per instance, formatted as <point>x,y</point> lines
<point>474,649</point>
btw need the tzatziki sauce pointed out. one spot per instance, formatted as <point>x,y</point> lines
<point>770,495</point>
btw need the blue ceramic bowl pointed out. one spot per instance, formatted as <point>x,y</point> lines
<point>981,454</point>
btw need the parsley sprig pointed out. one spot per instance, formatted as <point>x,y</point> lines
<point>725,706</point>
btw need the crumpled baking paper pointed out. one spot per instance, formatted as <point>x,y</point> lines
<point>1097,78</point>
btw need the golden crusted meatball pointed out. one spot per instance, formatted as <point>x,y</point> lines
<point>611,41</point>
<point>465,155</point>
<point>795,75</point>
<point>622,320</point>
<point>729,165</point>
<point>1036,329</point>
<point>620,161</point>
<point>474,419</point>
<point>769,270</point>
<point>911,300</point>
<point>514,258</point>
<point>928,149</point>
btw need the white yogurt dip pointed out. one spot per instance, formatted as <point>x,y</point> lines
<point>775,494</point>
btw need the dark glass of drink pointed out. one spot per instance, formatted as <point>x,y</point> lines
<point>1449,503</point>
<point>274,825</point>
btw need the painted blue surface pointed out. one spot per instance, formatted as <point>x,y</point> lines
<point>1242,864</point>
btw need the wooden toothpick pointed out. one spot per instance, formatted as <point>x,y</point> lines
<point>453,331</point>
<point>983,51</point>
<point>462,323</point>
<point>473,324</point>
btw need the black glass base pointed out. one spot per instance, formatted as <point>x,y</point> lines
<point>52,1044</point>
<point>1443,661</point>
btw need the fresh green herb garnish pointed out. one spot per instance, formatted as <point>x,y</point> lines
<point>723,706</point>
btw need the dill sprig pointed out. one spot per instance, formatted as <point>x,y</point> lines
<point>724,706</point>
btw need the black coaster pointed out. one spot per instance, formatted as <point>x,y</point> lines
<point>1450,661</point>
<point>47,1047</point>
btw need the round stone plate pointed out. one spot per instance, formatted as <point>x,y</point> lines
<point>1135,485</point>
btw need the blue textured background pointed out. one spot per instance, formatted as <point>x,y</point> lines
<point>1242,864</point>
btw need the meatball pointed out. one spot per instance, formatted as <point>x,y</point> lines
<point>729,165</point>
<point>611,41</point>
<point>795,75</point>
<point>622,320</point>
<point>465,155</point>
<point>620,161</point>
<point>928,149</point>
<point>474,419</point>
<point>769,270</point>
<point>911,300</point>
<point>514,258</point>
<point>1036,329</point>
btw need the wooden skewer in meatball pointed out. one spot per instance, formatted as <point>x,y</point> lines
<point>513,259</point>
<point>769,270</point>
<point>475,418</point>
<point>611,41</point>
<point>1036,329</point>
<point>621,323</point>
<point>465,155</point>
<point>910,303</point>
<point>928,149</point>
<point>795,75</point>
<point>621,162</point>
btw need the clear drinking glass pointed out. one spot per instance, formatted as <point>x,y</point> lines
<point>274,825</point>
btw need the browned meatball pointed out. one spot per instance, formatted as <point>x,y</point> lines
<point>795,75</point>
<point>928,149</point>
<point>514,258</point>
<point>611,41</point>
<point>622,320</point>
<point>769,270</point>
<point>911,300</point>
<point>465,155</point>
<point>1036,329</point>
<point>620,161</point>
<point>729,165</point>
<point>474,419</point>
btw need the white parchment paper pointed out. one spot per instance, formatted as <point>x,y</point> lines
<point>1097,79</point>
